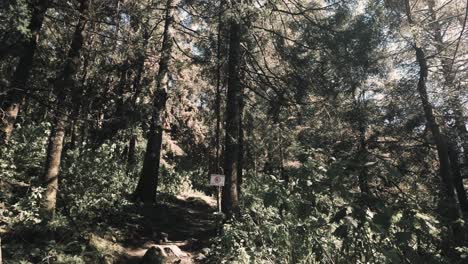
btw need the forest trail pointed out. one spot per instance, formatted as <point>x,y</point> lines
<point>180,225</point>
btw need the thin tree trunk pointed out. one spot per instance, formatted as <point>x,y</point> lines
<point>447,204</point>
<point>363,155</point>
<point>64,86</point>
<point>218,92</point>
<point>457,178</point>
<point>250,152</point>
<point>453,102</point>
<point>73,133</point>
<point>136,87</point>
<point>441,144</point>
<point>460,122</point>
<point>230,201</point>
<point>283,174</point>
<point>131,151</point>
<point>54,153</point>
<point>78,105</point>
<point>148,182</point>
<point>10,104</point>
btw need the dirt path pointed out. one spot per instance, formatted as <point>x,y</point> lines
<point>180,226</point>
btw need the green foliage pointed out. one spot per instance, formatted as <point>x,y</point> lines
<point>20,168</point>
<point>94,186</point>
<point>15,19</point>
<point>338,160</point>
<point>23,159</point>
<point>94,182</point>
<point>174,182</point>
<point>307,223</point>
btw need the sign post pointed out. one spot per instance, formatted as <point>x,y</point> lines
<point>218,180</point>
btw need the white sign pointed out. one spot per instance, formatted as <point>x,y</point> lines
<point>217,180</point>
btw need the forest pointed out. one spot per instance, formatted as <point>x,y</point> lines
<point>233,131</point>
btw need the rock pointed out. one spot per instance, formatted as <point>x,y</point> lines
<point>200,257</point>
<point>175,250</point>
<point>154,255</point>
<point>205,251</point>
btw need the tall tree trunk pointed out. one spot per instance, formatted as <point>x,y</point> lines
<point>131,151</point>
<point>64,87</point>
<point>240,160</point>
<point>78,105</point>
<point>362,157</point>
<point>457,178</point>
<point>52,167</point>
<point>230,201</point>
<point>218,91</point>
<point>447,203</point>
<point>283,174</point>
<point>460,126</point>
<point>11,102</point>
<point>441,144</point>
<point>148,182</point>
<point>140,69</point>
<point>136,88</point>
<point>453,104</point>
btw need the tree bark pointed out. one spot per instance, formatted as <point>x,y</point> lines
<point>457,178</point>
<point>64,87</point>
<point>447,204</point>
<point>460,122</point>
<point>240,160</point>
<point>52,167</point>
<point>454,105</point>
<point>131,151</point>
<point>284,175</point>
<point>148,182</point>
<point>136,88</point>
<point>10,103</point>
<point>218,92</point>
<point>454,96</point>
<point>230,201</point>
<point>362,156</point>
<point>441,145</point>
<point>140,65</point>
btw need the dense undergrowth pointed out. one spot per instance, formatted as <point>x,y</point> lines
<point>317,220</point>
<point>313,219</point>
<point>84,202</point>
<point>94,198</point>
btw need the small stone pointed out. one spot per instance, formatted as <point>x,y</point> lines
<point>206,251</point>
<point>200,257</point>
<point>154,255</point>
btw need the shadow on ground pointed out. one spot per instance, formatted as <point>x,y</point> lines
<point>181,226</point>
